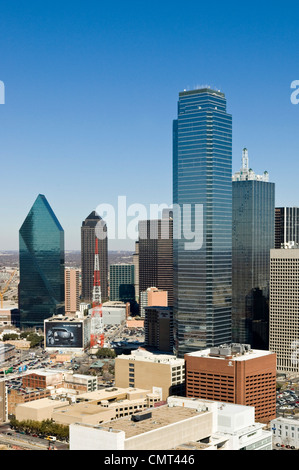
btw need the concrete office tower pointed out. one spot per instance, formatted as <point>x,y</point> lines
<point>72,294</point>
<point>286,225</point>
<point>122,283</point>
<point>152,297</point>
<point>136,270</point>
<point>155,254</point>
<point>202,197</point>
<point>284,307</point>
<point>41,288</point>
<point>252,237</point>
<point>234,373</point>
<point>160,373</point>
<point>88,233</point>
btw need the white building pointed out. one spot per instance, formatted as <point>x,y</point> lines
<point>114,313</point>
<point>284,307</point>
<point>285,431</point>
<point>197,424</point>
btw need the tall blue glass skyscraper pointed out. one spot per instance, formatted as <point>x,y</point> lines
<point>41,244</point>
<point>253,237</point>
<point>202,198</point>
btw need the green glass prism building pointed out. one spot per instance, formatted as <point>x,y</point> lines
<point>41,245</point>
<point>202,199</point>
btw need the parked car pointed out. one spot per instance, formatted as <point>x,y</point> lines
<point>58,335</point>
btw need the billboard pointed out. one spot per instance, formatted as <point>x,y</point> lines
<point>64,334</point>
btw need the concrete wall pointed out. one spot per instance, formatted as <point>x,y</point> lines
<point>146,375</point>
<point>167,437</point>
<point>89,438</point>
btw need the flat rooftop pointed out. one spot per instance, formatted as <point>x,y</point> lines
<point>147,356</point>
<point>113,392</point>
<point>252,354</point>
<point>161,416</point>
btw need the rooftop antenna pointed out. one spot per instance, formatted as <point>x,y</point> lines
<point>245,160</point>
<point>97,335</point>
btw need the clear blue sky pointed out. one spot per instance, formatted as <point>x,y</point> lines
<point>91,90</point>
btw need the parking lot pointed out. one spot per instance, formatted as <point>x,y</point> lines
<point>287,400</point>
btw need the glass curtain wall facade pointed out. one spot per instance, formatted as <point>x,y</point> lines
<point>202,198</point>
<point>41,244</point>
<point>253,237</point>
<point>121,282</point>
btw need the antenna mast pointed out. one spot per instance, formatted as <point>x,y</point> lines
<point>97,330</point>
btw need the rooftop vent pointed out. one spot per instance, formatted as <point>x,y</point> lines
<point>142,417</point>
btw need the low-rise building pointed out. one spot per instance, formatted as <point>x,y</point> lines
<point>19,396</point>
<point>38,410</point>
<point>92,407</point>
<point>181,424</point>
<point>9,316</point>
<point>285,431</point>
<point>67,333</point>
<point>114,312</point>
<point>164,374</point>
<point>7,351</point>
<point>105,405</point>
<point>39,384</point>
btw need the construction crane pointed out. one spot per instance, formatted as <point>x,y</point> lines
<point>97,330</point>
<point>6,286</point>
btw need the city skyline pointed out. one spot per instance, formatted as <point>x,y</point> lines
<point>95,86</point>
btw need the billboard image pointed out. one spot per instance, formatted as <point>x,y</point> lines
<point>65,335</point>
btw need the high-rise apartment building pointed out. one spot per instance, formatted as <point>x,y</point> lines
<point>88,234</point>
<point>202,198</point>
<point>284,307</point>
<point>252,238</point>
<point>286,225</point>
<point>234,373</point>
<point>72,294</point>
<point>41,288</point>
<point>121,282</point>
<point>155,254</point>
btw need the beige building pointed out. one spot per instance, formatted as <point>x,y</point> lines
<point>9,316</point>
<point>72,294</point>
<point>55,380</point>
<point>104,405</point>
<point>164,374</point>
<point>90,408</point>
<point>38,410</point>
<point>284,307</point>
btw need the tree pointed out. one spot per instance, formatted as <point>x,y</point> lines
<point>105,352</point>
